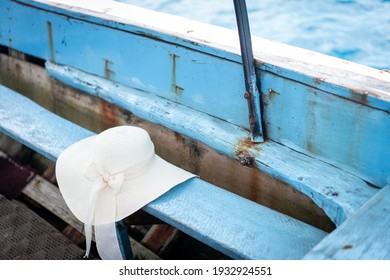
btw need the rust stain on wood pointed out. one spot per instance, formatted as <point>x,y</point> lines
<point>318,81</point>
<point>18,70</point>
<point>243,151</point>
<point>108,112</point>
<point>108,72</point>
<point>361,97</point>
<point>347,247</point>
<point>175,87</point>
<point>272,93</point>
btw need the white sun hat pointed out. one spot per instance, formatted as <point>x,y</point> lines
<point>107,177</point>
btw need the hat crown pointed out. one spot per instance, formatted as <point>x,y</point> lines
<point>122,147</point>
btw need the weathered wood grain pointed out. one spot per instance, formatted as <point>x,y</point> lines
<point>95,114</point>
<point>159,237</point>
<point>197,65</point>
<point>189,73</point>
<point>337,130</point>
<point>319,70</point>
<point>243,230</point>
<point>338,192</point>
<point>49,197</point>
<point>365,235</point>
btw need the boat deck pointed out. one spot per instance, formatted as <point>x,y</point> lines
<point>25,235</point>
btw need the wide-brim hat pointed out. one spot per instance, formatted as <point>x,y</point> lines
<point>106,177</point>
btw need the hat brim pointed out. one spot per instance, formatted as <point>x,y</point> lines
<point>159,177</point>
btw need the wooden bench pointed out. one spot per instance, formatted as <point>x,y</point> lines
<point>365,235</point>
<point>243,230</point>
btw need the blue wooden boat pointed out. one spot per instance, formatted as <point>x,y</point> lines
<point>315,185</point>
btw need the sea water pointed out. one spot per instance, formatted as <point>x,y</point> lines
<point>356,30</point>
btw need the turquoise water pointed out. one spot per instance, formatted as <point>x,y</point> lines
<point>356,30</point>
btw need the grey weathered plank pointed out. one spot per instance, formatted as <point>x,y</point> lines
<point>366,235</point>
<point>47,195</point>
<point>227,222</point>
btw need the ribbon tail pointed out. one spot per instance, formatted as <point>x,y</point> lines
<point>107,242</point>
<point>88,239</point>
<point>106,234</point>
<point>91,216</point>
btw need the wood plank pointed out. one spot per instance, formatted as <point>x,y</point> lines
<point>244,230</point>
<point>195,207</point>
<point>338,192</point>
<point>175,80</point>
<point>366,235</point>
<point>159,237</point>
<point>47,195</point>
<point>96,115</point>
<point>19,120</point>
<point>336,130</point>
<point>197,47</point>
<point>223,42</point>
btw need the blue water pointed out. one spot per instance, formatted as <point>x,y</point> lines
<point>356,30</point>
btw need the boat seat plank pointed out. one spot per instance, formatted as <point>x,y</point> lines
<point>366,235</point>
<point>338,192</point>
<point>229,223</point>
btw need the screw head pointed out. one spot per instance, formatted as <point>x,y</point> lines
<point>246,161</point>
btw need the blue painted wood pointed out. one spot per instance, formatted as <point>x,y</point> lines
<point>366,235</point>
<point>236,226</point>
<point>342,132</point>
<point>23,122</point>
<point>160,64</point>
<point>337,192</point>
<point>358,87</point>
<point>207,77</point>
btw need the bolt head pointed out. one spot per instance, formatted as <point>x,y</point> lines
<point>246,161</point>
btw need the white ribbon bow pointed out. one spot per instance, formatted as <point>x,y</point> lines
<point>97,174</point>
<point>102,180</point>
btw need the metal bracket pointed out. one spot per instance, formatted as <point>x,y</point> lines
<point>252,93</point>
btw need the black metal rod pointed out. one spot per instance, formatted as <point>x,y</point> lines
<point>252,94</point>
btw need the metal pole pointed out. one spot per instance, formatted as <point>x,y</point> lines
<point>252,94</point>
